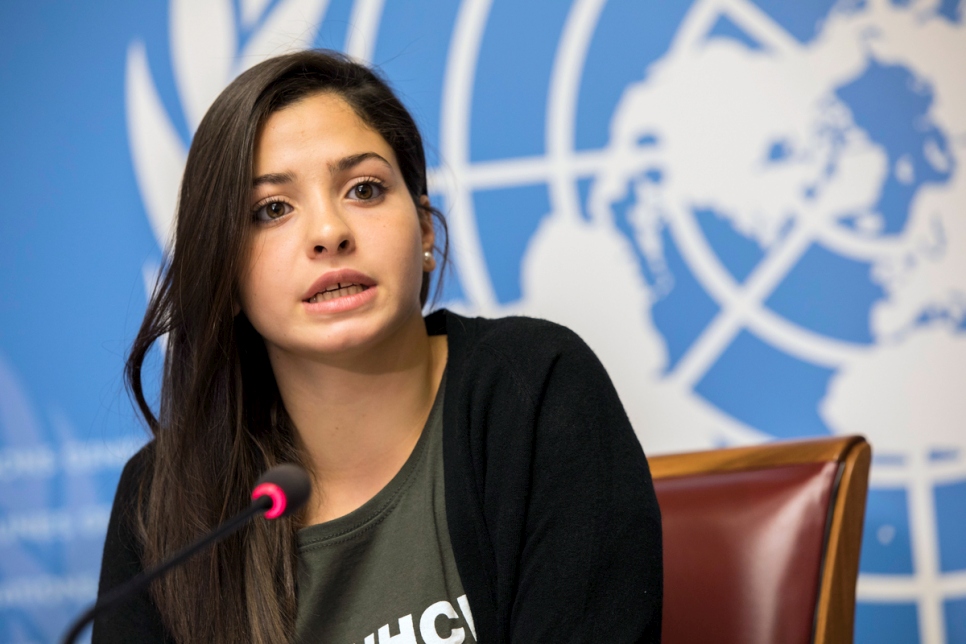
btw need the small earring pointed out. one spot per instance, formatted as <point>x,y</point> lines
<point>427,256</point>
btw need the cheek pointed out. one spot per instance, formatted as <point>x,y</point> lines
<point>398,241</point>
<point>262,280</point>
<point>410,255</point>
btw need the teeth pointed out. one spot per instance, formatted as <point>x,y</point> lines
<point>336,291</point>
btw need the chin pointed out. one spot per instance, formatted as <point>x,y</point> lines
<point>346,335</point>
<point>353,336</point>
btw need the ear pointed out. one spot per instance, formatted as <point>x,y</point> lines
<point>424,210</point>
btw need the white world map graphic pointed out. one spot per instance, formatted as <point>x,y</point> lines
<point>761,136</point>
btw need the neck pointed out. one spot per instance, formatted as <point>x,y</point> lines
<point>359,417</point>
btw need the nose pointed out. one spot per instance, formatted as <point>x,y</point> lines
<point>329,232</point>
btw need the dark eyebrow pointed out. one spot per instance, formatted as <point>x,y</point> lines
<point>349,162</point>
<point>343,164</point>
<point>274,179</point>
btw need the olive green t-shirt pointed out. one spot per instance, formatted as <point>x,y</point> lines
<point>386,572</point>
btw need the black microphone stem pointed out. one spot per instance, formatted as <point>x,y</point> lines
<point>125,591</point>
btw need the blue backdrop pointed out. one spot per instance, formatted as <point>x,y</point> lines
<point>753,210</point>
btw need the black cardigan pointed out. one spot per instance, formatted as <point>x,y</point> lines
<point>551,510</point>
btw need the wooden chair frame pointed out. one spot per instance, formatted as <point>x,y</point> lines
<point>835,607</point>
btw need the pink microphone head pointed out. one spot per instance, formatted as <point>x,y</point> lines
<point>287,486</point>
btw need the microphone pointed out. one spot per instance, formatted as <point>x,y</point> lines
<point>279,492</point>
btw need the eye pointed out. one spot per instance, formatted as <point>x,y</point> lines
<point>367,190</point>
<point>272,210</point>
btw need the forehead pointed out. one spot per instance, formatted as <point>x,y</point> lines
<point>318,127</point>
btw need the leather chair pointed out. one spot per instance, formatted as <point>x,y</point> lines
<point>761,544</point>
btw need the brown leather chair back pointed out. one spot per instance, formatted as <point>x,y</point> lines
<point>761,544</point>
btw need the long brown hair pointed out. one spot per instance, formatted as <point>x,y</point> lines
<point>221,421</point>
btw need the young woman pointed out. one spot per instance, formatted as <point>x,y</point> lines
<point>473,480</point>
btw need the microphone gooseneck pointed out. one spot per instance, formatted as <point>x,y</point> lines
<point>279,492</point>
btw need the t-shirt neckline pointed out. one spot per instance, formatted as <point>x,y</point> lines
<point>379,506</point>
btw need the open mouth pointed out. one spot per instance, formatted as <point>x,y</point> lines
<point>336,291</point>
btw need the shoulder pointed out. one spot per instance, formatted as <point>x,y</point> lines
<point>526,333</point>
<point>136,472</point>
<point>522,343</point>
<point>122,559</point>
<point>519,365</point>
<point>131,488</point>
